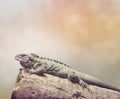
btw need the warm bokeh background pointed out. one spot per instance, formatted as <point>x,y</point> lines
<point>84,34</point>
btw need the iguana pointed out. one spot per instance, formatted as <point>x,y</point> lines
<point>34,64</point>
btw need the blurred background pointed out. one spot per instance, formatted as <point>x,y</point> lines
<point>84,34</point>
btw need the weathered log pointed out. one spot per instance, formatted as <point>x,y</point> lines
<point>31,86</point>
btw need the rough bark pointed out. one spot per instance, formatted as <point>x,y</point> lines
<point>31,86</point>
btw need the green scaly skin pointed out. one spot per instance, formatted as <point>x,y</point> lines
<point>40,65</point>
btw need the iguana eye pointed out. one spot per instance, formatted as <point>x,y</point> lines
<point>31,59</point>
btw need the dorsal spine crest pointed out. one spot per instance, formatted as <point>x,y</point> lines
<point>54,61</point>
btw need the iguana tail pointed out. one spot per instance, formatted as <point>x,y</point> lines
<point>93,81</point>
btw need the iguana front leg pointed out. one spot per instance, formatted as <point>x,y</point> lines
<point>38,69</point>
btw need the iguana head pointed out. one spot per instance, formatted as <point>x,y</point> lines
<point>27,60</point>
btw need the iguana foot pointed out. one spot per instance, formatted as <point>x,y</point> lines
<point>85,86</point>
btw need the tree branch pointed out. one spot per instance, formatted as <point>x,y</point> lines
<point>31,86</point>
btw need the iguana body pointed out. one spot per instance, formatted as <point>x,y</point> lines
<point>39,65</point>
